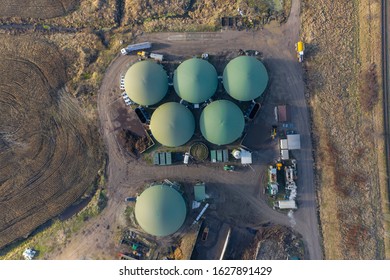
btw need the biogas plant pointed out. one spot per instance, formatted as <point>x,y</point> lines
<point>195,112</point>
<point>193,103</point>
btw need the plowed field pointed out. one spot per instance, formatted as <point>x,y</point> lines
<point>48,153</point>
<point>36,8</point>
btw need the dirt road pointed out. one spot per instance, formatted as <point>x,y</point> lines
<point>126,175</point>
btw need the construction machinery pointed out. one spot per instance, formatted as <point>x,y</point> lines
<point>300,48</point>
<point>273,186</point>
<point>272,178</point>
<point>143,54</point>
<point>273,131</point>
<point>155,56</point>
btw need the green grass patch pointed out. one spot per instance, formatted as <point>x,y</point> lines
<point>86,76</point>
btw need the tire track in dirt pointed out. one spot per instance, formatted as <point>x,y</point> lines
<point>51,157</point>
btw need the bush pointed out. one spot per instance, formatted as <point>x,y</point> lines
<point>369,88</point>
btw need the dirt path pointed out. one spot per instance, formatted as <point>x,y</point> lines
<point>126,175</point>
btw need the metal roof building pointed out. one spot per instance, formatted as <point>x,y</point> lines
<point>172,124</point>
<point>160,210</point>
<point>222,122</point>
<point>146,83</point>
<point>195,80</point>
<point>200,192</point>
<point>294,141</point>
<point>245,78</point>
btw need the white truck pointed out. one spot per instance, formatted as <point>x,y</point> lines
<point>156,56</point>
<point>136,47</point>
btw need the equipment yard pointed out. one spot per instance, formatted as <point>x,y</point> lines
<point>259,136</point>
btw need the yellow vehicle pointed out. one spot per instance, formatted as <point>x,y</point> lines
<point>273,132</point>
<point>143,54</point>
<point>300,48</point>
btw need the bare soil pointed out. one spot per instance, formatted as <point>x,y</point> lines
<point>36,8</point>
<point>49,153</point>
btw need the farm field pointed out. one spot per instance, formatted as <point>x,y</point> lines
<point>49,153</point>
<point>36,8</point>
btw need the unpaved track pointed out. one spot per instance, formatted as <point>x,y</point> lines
<point>386,78</point>
<point>126,175</point>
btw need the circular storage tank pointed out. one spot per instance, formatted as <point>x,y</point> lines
<point>146,83</point>
<point>160,210</point>
<point>222,122</point>
<point>172,124</point>
<point>245,78</point>
<point>195,80</point>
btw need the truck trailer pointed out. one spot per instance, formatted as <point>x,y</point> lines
<point>136,47</point>
<point>157,57</point>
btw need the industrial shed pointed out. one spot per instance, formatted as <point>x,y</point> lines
<point>222,122</point>
<point>160,210</point>
<point>195,80</point>
<point>294,141</point>
<point>172,124</point>
<point>245,78</point>
<point>200,192</point>
<point>146,83</point>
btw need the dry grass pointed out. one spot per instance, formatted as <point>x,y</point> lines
<point>370,44</point>
<point>84,53</point>
<point>187,243</point>
<point>203,15</point>
<point>275,243</point>
<point>369,88</point>
<point>150,16</point>
<point>343,41</point>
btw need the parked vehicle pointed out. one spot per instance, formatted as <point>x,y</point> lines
<point>186,158</point>
<point>136,47</point>
<point>300,48</point>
